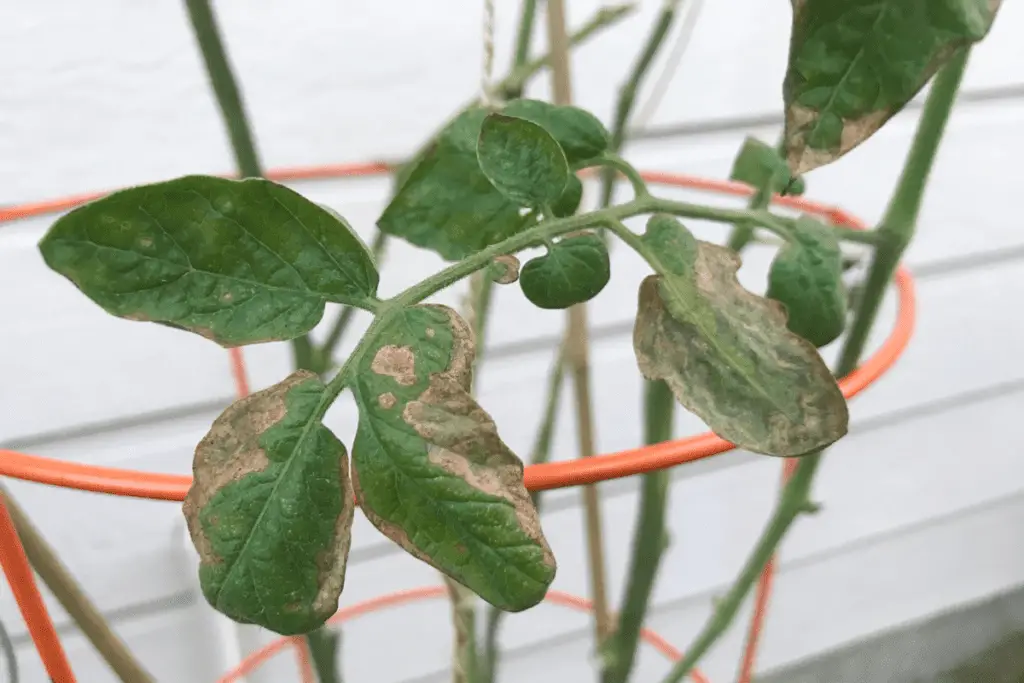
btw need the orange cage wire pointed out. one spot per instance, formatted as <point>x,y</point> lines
<point>559,474</point>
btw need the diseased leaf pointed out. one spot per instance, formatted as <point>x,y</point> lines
<point>567,204</point>
<point>522,160</point>
<point>760,166</point>
<point>430,470</point>
<point>726,353</point>
<point>504,270</point>
<point>854,63</point>
<point>445,203</point>
<point>270,509</point>
<point>574,270</point>
<point>581,135</point>
<point>806,276</point>
<point>238,262</point>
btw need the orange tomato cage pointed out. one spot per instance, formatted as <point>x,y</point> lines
<point>132,483</point>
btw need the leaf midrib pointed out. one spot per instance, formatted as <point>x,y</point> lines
<point>732,360</point>
<point>885,5</point>
<point>285,467</point>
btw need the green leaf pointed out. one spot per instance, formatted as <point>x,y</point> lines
<point>522,160</point>
<point>581,135</point>
<point>853,64</point>
<point>574,270</point>
<point>726,353</point>
<point>238,262</point>
<point>270,509</point>
<point>430,470</point>
<point>445,203</point>
<point>806,277</point>
<point>567,204</point>
<point>760,166</point>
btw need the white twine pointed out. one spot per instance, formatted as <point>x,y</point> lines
<point>487,94</point>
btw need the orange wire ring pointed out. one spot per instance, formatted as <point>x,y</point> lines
<point>157,486</point>
<point>133,483</point>
<point>257,658</point>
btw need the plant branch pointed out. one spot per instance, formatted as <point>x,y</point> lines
<point>604,17</point>
<point>650,540</point>
<point>229,98</point>
<point>578,354</point>
<point>900,218</point>
<point>524,37</point>
<point>627,94</point>
<point>73,599</point>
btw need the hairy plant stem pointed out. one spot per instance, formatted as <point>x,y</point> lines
<point>72,598</point>
<point>627,94</point>
<point>577,353</point>
<point>229,98</point>
<point>899,222</point>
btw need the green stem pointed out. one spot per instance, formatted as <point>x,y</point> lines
<point>613,162</point>
<point>225,87</point>
<point>649,541</point>
<point>541,453</point>
<point>900,220</point>
<point>899,223</point>
<point>627,94</point>
<point>523,38</point>
<point>229,98</point>
<point>794,500</point>
<point>325,351</point>
<point>324,644</point>
<point>604,17</point>
<point>743,233</point>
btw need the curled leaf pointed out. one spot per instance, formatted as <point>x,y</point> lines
<point>431,472</point>
<point>726,353</point>
<point>522,160</point>
<point>504,270</point>
<point>581,135</point>
<point>574,270</point>
<point>854,64</point>
<point>270,509</point>
<point>567,204</point>
<point>238,262</point>
<point>760,166</point>
<point>445,203</point>
<point>806,277</point>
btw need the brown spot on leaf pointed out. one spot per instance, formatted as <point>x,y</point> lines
<point>397,362</point>
<point>430,332</point>
<point>505,269</point>
<point>227,297</point>
<point>387,400</point>
<point>230,451</point>
<point>331,561</point>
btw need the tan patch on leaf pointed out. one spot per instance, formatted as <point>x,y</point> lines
<point>463,439</point>
<point>802,158</point>
<point>397,362</point>
<point>387,400</point>
<point>231,450</point>
<point>506,269</point>
<point>331,562</point>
